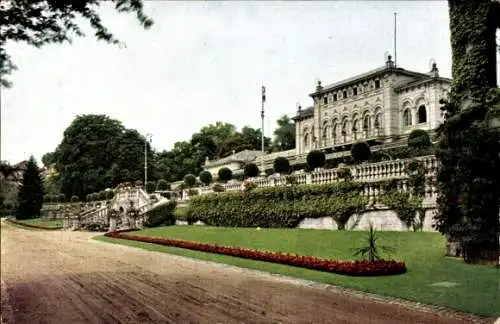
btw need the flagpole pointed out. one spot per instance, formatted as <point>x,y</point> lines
<point>262,135</point>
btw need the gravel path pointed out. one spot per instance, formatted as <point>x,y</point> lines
<point>66,277</point>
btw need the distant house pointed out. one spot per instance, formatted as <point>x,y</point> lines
<point>235,162</point>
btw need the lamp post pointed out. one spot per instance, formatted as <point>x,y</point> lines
<point>263,172</point>
<point>150,137</point>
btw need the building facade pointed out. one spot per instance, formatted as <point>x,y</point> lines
<point>379,106</point>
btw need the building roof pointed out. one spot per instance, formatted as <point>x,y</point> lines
<point>367,75</point>
<point>304,114</point>
<point>421,81</point>
<point>242,156</point>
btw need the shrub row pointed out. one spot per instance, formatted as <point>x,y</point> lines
<point>350,268</point>
<point>278,206</point>
<point>161,215</point>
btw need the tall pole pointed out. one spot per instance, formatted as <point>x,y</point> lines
<point>148,135</point>
<point>395,52</point>
<point>262,135</point>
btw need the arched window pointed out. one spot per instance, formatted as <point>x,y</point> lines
<point>366,123</point>
<point>307,141</point>
<point>345,129</point>
<point>355,128</point>
<point>422,114</point>
<point>407,118</point>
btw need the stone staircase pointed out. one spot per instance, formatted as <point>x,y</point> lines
<point>127,210</point>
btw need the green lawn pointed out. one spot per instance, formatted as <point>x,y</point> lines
<point>42,222</point>
<point>478,289</point>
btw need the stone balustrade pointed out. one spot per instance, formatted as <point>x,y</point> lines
<point>369,173</point>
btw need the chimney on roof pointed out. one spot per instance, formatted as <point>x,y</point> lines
<point>299,108</point>
<point>319,87</point>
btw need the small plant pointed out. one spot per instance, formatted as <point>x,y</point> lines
<point>316,159</point>
<point>189,180</point>
<point>225,174</point>
<point>251,170</point>
<point>371,250</point>
<point>151,186</point>
<point>74,199</point>
<point>102,195</point>
<point>162,185</point>
<point>218,188</point>
<point>205,177</point>
<point>281,165</point>
<point>419,139</point>
<point>248,186</point>
<point>360,152</point>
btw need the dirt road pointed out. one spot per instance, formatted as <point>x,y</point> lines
<point>66,277</point>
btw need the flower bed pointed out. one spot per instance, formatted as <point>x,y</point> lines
<point>350,268</point>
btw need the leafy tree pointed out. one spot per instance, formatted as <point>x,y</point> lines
<point>284,134</point>
<point>225,174</point>
<point>30,194</point>
<point>98,152</point>
<point>189,180</point>
<point>360,152</point>
<point>281,165</point>
<point>469,196</point>
<point>49,158</point>
<point>251,170</point>
<point>162,185</point>
<point>205,177</point>
<point>316,159</point>
<point>419,138</point>
<point>42,22</point>
<point>248,139</point>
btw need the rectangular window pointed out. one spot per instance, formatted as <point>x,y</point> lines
<point>377,84</point>
<point>344,94</point>
<point>355,91</point>
<point>325,100</point>
<point>334,97</point>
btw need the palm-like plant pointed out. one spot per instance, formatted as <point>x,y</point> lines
<point>371,250</point>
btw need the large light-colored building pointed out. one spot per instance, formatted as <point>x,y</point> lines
<point>378,106</point>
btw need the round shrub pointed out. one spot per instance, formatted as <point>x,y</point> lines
<point>225,174</point>
<point>281,165</point>
<point>316,159</point>
<point>139,183</point>
<point>189,180</point>
<point>110,194</point>
<point>101,195</point>
<point>151,186</point>
<point>74,199</point>
<point>162,185</point>
<point>419,139</point>
<point>88,197</point>
<point>205,177</point>
<point>361,152</point>
<point>251,170</point>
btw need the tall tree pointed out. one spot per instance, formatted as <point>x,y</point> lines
<point>284,134</point>
<point>30,196</point>
<point>98,152</point>
<point>41,22</point>
<point>469,196</point>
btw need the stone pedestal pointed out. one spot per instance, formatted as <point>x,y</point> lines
<point>112,224</point>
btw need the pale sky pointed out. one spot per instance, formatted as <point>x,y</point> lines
<point>204,62</point>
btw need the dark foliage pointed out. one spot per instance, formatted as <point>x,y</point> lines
<point>360,152</point>
<point>251,170</point>
<point>30,196</point>
<point>281,165</point>
<point>225,174</point>
<point>316,159</point>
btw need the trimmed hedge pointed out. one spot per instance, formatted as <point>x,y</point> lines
<point>161,215</point>
<point>349,268</point>
<point>278,206</point>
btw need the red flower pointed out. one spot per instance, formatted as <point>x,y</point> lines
<point>350,268</point>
